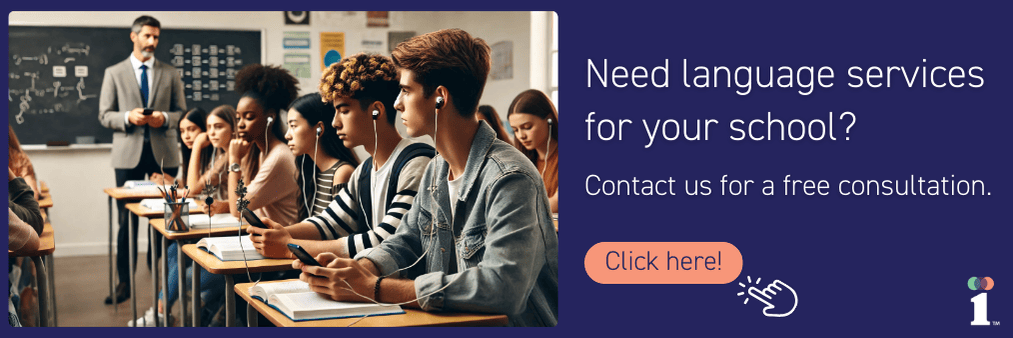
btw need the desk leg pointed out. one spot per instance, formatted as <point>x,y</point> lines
<point>43,281</point>
<point>112,275</point>
<point>230,301</point>
<point>133,266</point>
<point>153,263</point>
<point>194,291</point>
<point>165,277</point>
<point>51,264</point>
<point>181,269</point>
<point>251,315</point>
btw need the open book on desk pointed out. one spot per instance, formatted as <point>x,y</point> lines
<point>295,300</point>
<point>203,221</point>
<point>158,204</point>
<point>140,184</point>
<point>229,249</point>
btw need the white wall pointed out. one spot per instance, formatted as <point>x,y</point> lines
<point>77,176</point>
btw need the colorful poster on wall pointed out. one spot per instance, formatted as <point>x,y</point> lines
<point>377,19</point>
<point>332,48</point>
<point>502,61</point>
<point>298,64</point>
<point>296,40</point>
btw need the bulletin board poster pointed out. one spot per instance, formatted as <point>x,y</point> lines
<point>332,48</point>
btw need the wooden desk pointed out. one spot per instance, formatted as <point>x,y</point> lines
<point>141,211</point>
<point>181,238</point>
<point>47,301</point>
<point>121,194</point>
<point>411,317</point>
<point>46,202</point>
<point>212,264</point>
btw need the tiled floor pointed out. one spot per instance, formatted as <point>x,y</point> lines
<point>82,284</point>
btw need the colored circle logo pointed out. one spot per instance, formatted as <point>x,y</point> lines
<point>976,283</point>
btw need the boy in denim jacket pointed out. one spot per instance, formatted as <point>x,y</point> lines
<point>479,237</point>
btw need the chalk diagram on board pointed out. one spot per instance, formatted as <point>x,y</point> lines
<point>54,64</point>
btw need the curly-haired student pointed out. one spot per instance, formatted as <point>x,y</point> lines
<point>362,88</point>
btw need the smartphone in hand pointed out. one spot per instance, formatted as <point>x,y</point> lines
<point>148,112</point>
<point>303,256</point>
<point>253,219</point>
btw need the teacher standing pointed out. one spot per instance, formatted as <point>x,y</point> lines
<point>142,143</point>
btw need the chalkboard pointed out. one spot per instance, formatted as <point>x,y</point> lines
<point>55,74</point>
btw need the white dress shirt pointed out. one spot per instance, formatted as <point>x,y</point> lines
<point>136,64</point>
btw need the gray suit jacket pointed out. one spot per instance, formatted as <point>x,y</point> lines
<point>121,93</point>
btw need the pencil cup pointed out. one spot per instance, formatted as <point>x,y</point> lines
<point>177,217</point>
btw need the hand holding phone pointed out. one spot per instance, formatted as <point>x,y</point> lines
<point>148,112</point>
<point>302,255</point>
<point>253,219</point>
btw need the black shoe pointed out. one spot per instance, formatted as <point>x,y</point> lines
<point>122,294</point>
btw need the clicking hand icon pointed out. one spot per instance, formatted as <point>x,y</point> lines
<point>770,294</point>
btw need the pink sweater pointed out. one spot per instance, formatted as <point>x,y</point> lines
<point>273,192</point>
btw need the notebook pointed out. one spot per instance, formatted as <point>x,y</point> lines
<point>228,248</point>
<point>295,300</point>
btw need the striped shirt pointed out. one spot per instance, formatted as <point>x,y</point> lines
<point>326,190</point>
<point>340,219</point>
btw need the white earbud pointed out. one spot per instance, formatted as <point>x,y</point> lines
<point>548,144</point>
<point>320,130</point>
<point>439,102</point>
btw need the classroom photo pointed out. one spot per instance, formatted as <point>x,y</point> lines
<point>283,169</point>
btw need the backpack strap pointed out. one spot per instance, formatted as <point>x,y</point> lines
<point>410,152</point>
<point>365,195</point>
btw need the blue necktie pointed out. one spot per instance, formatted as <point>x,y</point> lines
<point>144,85</point>
<point>144,95</point>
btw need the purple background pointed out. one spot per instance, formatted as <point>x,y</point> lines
<point>861,265</point>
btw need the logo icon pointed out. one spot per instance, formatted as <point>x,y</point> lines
<point>984,283</point>
<point>981,300</point>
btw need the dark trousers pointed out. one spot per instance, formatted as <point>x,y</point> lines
<point>147,166</point>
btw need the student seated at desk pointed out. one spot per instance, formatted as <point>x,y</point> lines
<point>258,155</point>
<point>498,251</point>
<point>199,170</point>
<point>534,120</point>
<point>208,159</point>
<point>362,88</point>
<point>310,135</point>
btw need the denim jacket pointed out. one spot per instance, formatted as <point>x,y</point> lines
<point>500,253</point>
